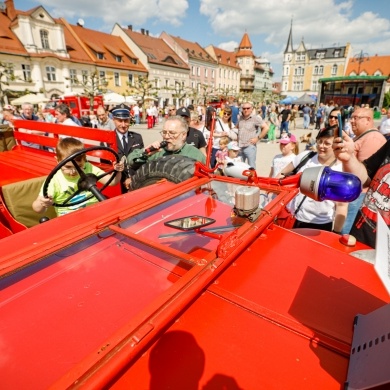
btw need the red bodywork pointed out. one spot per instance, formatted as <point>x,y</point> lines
<point>109,296</point>
<point>79,105</point>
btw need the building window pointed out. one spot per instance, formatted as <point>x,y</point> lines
<point>73,76</point>
<point>100,56</point>
<point>315,70</point>
<point>198,71</point>
<point>118,58</point>
<point>26,72</point>
<point>206,72</point>
<point>45,39</point>
<point>193,70</point>
<point>130,79</point>
<point>321,70</point>
<point>117,79</point>
<point>84,75</point>
<point>314,86</point>
<point>334,70</point>
<point>102,77</point>
<point>212,73</point>
<point>337,53</point>
<point>51,73</point>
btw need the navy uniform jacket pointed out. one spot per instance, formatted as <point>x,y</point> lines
<point>134,141</point>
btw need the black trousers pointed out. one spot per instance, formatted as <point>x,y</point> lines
<point>320,226</point>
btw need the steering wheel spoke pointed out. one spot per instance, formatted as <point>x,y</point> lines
<point>86,182</point>
<point>105,174</point>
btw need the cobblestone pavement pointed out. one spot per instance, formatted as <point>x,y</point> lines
<point>265,151</point>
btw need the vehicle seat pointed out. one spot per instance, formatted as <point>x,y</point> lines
<point>7,140</point>
<point>19,197</point>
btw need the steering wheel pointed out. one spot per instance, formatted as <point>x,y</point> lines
<point>86,182</point>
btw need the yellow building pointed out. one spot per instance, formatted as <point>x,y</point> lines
<point>303,68</point>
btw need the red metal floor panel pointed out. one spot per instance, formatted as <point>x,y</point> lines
<point>82,294</point>
<point>217,345</point>
<point>304,282</point>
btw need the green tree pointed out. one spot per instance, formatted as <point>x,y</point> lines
<point>202,94</point>
<point>6,75</point>
<point>386,100</point>
<point>181,92</point>
<point>92,85</point>
<point>143,88</point>
<point>227,92</point>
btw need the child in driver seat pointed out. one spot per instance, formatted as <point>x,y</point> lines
<point>64,183</point>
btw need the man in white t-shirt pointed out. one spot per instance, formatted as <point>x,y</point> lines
<point>384,127</point>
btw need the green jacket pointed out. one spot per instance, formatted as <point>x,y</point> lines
<point>186,150</point>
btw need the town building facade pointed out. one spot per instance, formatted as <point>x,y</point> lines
<point>303,68</point>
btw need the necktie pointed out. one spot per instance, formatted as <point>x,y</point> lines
<point>124,141</point>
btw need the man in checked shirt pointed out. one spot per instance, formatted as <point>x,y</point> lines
<point>251,129</point>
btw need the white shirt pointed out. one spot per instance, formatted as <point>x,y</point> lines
<point>279,162</point>
<point>385,126</point>
<point>312,211</point>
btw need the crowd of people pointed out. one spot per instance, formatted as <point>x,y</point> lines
<point>236,133</point>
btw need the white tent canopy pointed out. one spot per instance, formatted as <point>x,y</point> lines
<point>30,98</point>
<point>113,98</point>
<point>130,100</point>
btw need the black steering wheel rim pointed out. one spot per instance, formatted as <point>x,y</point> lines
<point>83,176</point>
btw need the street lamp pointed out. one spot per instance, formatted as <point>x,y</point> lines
<point>360,58</point>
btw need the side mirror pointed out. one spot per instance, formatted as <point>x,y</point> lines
<point>322,183</point>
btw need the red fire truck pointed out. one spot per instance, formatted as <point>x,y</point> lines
<point>193,285</point>
<point>79,105</point>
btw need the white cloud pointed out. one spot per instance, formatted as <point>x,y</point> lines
<point>318,22</point>
<point>229,46</point>
<point>135,12</point>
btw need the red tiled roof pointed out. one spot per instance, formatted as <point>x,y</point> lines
<point>156,49</point>
<point>245,42</point>
<point>369,65</point>
<point>9,43</point>
<point>244,49</point>
<point>110,46</point>
<point>194,50</point>
<point>227,58</point>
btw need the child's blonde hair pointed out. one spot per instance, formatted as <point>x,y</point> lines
<point>68,146</point>
<point>224,140</point>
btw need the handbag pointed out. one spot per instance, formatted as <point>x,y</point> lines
<point>233,136</point>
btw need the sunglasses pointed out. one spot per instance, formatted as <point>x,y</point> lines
<point>333,116</point>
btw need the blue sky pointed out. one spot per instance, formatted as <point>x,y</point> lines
<point>222,23</point>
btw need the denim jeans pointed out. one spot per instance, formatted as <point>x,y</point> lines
<point>306,121</point>
<point>248,154</point>
<point>284,127</point>
<point>353,209</point>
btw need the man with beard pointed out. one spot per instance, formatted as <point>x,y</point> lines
<point>174,134</point>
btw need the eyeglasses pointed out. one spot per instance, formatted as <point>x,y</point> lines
<point>246,108</point>
<point>171,134</point>
<point>172,109</point>
<point>356,117</point>
<point>226,114</point>
<point>325,144</point>
<point>333,116</point>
